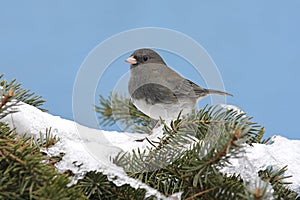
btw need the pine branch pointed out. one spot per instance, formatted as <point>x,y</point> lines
<point>13,91</point>
<point>192,150</point>
<point>276,178</point>
<point>46,139</point>
<point>96,186</point>
<point>119,109</point>
<point>24,175</point>
<point>6,98</point>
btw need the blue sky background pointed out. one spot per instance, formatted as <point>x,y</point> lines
<point>255,44</point>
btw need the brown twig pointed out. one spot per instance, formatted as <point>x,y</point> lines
<point>6,97</point>
<point>12,156</point>
<point>201,193</point>
<point>236,135</point>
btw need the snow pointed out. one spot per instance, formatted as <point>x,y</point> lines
<point>279,153</point>
<point>94,149</point>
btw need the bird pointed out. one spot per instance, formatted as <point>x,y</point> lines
<point>160,92</point>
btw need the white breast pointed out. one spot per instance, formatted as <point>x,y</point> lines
<point>164,111</point>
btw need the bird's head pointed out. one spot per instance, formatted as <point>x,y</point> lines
<point>144,56</point>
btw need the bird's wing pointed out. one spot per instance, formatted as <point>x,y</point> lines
<point>154,93</point>
<point>201,92</point>
<point>182,87</point>
<point>188,88</point>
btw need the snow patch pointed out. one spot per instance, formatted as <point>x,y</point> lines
<point>279,153</point>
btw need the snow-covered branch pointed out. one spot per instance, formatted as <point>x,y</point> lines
<point>94,149</point>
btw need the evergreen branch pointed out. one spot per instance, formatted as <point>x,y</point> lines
<point>25,176</point>
<point>96,185</point>
<point>6,104</point>
<point>14,91</point>
<point>228,131</point>
<point>235,136</point>
<point>118,108</point>
<point>6,98</point>
<point>189,155</point>
<point>46,139</point>
<point>6,155</point>
<point>276,178</point>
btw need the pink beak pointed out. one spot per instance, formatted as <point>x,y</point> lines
<point>131,60</point>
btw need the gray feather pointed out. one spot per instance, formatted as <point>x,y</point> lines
<point>210,91</point>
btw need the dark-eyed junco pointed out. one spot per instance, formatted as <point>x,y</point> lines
<point>160,92</point>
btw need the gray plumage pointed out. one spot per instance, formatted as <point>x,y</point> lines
<point>152,83</point>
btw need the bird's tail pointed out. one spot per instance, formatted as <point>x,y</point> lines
<point>209,91</point>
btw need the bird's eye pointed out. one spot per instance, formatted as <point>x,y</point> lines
<point>145,58</point>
